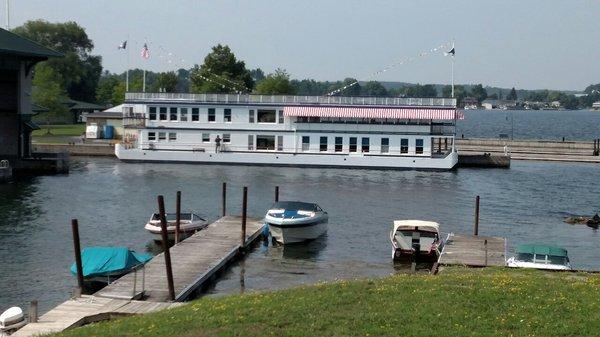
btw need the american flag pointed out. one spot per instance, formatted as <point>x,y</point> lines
<point>145,52</point>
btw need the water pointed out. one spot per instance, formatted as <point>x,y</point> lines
<point>113,200</point>
<point>531,124</point>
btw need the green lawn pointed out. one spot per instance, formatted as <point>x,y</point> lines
<point>58,133</point>
<point>457,302</point>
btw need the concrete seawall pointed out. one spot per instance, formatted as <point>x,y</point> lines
<point>77,149</point>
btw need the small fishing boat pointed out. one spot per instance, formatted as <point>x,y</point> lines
<point>415,239</point>
<point>295,221</point>
<point>189,224</point>
<point>11,320</point>
<point>540,257</point>
<point>106,264</point>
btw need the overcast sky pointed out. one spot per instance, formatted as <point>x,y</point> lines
<point>527,44</point>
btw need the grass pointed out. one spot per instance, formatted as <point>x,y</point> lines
<point>458,302</point>
<point>58,133</point>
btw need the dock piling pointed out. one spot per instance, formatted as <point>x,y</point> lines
<point>224,200</point>
<point>276,193</point>
<point>485,246</point>
<point>244,213</point>
<point>77,251</point>
<point>178,216</point>
<point>33,311</point>
<point>476,224</point>
<point>165,244</point>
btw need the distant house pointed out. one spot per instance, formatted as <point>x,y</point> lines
<point>77,111</point>
<point>489,104</point>
<point>470,102</point>
<point>596,105</point>
<point>112,117</point>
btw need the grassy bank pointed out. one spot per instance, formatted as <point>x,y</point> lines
<point>458,302</point>
<point>58,133</point>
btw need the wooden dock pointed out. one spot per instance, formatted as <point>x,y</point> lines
<point>473,251</point>
<point>195,261</point>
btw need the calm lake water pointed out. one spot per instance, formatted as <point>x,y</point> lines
<point>113,200</point>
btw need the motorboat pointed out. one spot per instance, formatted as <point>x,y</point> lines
<point>415,239</point>
<point>189,224</point>
<point>540,257</point>
<point>11,320</point>
<point>106,264</point>
<point>296,221</point>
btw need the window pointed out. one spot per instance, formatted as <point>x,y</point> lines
<point>385,145</point>
<point>172,136</point>
<point>265,142</point>
<point>251,116</point>
<point>250,142</point>
<point>152,113</point>
<point>352,144</point>
<point>195,114</point>
<point>323,144</point>
<point>266,116</point>
<point>163,114</point>
<point>403,145</point>
<point>279,143</point>
<point>365,144</point>
<point>419,146</point>
<point>173,114</point>
<point>227,115</point>
<point>206,137</point>
<point>339,143</point>
<point>280,117</point>
<point>212,115</point>
<point>162,136</point>
<point>151,135</point>
<point>305,143</point>
<point>183,114</point>
<point>226,138</point>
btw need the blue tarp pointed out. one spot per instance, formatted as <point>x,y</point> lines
<point>103,261</point>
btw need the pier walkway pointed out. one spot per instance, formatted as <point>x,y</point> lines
<point>474,251</point>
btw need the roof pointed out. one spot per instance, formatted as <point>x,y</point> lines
<point>106,114</point>
<point>412,224</point>
<point>116,108</point>
<point>80,105</point>
<point>13,44</point>
<point>373,112</point>
<point>542,250</point>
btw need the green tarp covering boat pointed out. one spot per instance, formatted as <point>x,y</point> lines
<point>109,261</point>
<point>542,250</point>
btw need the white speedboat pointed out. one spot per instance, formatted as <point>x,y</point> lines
<point>295,221</point>
<point>189,224</point>
<point>11,320</point>
<point>415,239</point>
<point>540,257</point>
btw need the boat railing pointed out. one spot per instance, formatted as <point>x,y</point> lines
<point>138,290</point>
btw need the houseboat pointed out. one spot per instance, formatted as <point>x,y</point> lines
<point>326,131</point>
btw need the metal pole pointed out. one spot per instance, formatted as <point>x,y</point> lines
<point>144,82</point>
<point>476,225</point>
<point>177,216</point>
<point>224,199</point>
<point>7,14</point>
<point>127,72</point>
<point>244,211</point>
<point>276,193</point>
<point>77,251</point>
<point>165,244</point>
<point>33,311</point>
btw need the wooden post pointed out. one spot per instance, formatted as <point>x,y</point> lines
<point>439,145</point>
<point>486,251</point>
<point>244,211</point>
<point>165,244</point>
<point>276,193</point>
<point>224,200</point>
<point>177,216</point>
<point>33,311</point>
<point>77,251</point>
<point>476,224</point>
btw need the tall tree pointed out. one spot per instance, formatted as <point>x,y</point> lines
<point>277,83</point>
<point>221,72</point>
<point>80,71</point>
<point>165,82</point>
<point>353,88</point>
<point>512,96</point>
<point>105,93</point>
<point>48,92</point>
<point>479,92</point>
<point>373,88</point>
<point>257,75</point>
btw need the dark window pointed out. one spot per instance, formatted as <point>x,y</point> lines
<point>152,113</point>
<point>305,143</point>
<point>250,142</point>
<point>279,143</point>
<point>251,116</point>
<point>172,136</point>
<point>151,135</point>
<point>226,138</point>
<point>162,136</point>
<point>352,144</point>
<point>173,114</point>
<point>206,137</point>
<point>183,114</point>
<point>419,146</point>
<point>403,145</point>
<point>227,115</point>
<point>211,115</point>
<point>266,116</point>
<point>195,114</point>
<point>265,142</point>
<point>365,144</point>
<point>163,114</point>
<point>323,144</point>
<point>339,144</point>
<point>280,116</point>
<point>385,145</point>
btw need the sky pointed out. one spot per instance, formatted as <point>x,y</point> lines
<point>531,44</point>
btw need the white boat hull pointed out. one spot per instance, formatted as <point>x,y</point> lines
<point>290,159</point>
<point>287,234</point>
<point>513,263</point>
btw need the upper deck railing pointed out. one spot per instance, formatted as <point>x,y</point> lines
<point>132,97</point>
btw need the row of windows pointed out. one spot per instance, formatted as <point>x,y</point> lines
<point>174,114</point>
<point>365,144</point>
<point>162,136</point>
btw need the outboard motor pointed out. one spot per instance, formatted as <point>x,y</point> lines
<point>11,320</point>
<point>416,241</point>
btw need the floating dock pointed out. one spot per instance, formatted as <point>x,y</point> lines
<point>195,261</point>
<point>474,251</point>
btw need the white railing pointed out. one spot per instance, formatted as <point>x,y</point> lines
<point>291,100</point>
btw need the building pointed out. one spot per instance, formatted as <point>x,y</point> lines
<point>368,132</point>
<point>112,117</point>
<point>596,105</point>
<point>490,104</point>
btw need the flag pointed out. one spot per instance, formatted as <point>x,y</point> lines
<point>145,52</point>
<point>123,45</point>
<point>451,52</point>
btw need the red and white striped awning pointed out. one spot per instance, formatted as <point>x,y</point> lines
<point>354,112</point>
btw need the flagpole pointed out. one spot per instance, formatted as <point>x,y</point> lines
<point>7,15</point>
<point>127,73</point>
<point>144,81</point>
<point>452,66</point>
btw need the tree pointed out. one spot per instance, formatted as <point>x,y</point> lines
<point>105,93</point>
<point>418,90</point>
<point>257,75</point>
<point>48,92</point>
<point>459,93</point>
<point>277,83</point>
<point>374,88</point>
<point>512,96</point>
<point>479,92</point>
<point>221,72</point>
<point>353,88</point>
<point>165,82</point>
<point>80,71</point>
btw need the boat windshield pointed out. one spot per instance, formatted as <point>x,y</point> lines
<point>297,206</point>
<point>184,217</point>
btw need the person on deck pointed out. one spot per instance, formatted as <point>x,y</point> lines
<point>217,144</point>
